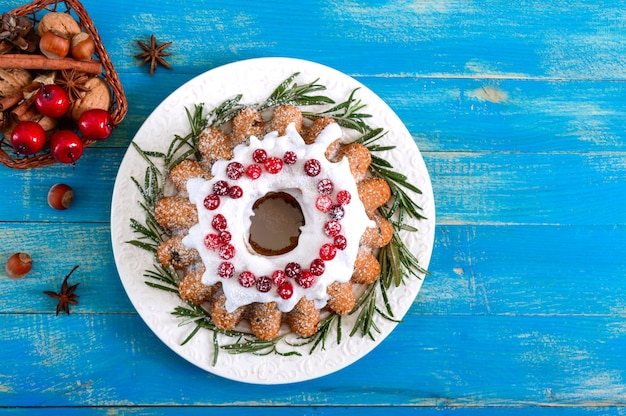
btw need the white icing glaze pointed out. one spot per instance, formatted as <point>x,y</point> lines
<point>303,188</point>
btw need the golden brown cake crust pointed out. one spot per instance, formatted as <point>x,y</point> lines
<point>177,214</point>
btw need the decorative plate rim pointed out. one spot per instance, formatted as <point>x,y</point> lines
<point>261,76</point>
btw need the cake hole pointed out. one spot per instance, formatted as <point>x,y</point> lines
<point>275,225</point>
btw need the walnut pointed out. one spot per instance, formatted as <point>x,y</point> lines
<point>63,23</point>
<point>97,95</point>
<point>13,81</point>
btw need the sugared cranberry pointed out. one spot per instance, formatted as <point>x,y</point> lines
<point>234,170</point>
<point>273,165</point>
<point>219,222</point>
<point>325,187</point>
<point>312,167</point>
<point>278,277</point>
<point>340,242</point>
<point>235,192</point>
<point>285,290</point>
<point>332,228</point>
<point>336,212</point>
<point>264,284</point>
<point>290,157</point>
<point>253,171</point>
<point>247,279</point>
<point>323,203</point>
<point>225,237</point>
<point>259,155</point>
<point>306,279</point>
<point>211,202</point>
<point>226,270</point>
<point>227,251</point>
<point>293,270</point>
<point>220,188</point>
<point>343,197</point>
<point>317,267</point>
<point>212,241</point>
<point>327,252</point>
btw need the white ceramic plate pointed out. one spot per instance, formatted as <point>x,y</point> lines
<point>256,79</point>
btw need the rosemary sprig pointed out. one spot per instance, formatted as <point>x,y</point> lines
<point>257,346</point>
<point>290,93</point>
<point>347,114</point>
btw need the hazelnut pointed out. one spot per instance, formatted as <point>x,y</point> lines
<point>98,95</point>
<point>18,265</point>
<point>54,45</point>
<point>82,47</point>
<point>61,22</point>
<point>60,196</point>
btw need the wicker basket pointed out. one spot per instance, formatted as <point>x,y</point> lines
<point>35,10</point>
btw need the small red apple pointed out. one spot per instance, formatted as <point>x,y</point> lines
<point>66,146</point>
<point>95,124</point>
<point>52,101</point>
<point>28,137</point>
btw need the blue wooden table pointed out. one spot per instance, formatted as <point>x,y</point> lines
<point>519,111</point>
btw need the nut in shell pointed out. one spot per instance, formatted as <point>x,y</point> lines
<point>13,81</point>
<point>60,196</point>
<point>63,23</point>
<point>82,47</point>
<point>97,95</point>
<point>18,265</point>
<point>54,44</point>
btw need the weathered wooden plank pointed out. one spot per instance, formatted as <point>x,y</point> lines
<point>469,187</point>
<point>525,270</point>
<point>451,114</point>
<point>497,38</point>
<point>428,361</point>
<point>475,270</point>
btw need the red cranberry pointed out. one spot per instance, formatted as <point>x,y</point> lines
<point>253,172</point>
<point>219,222</point>
<point>247,279</point>
<point>327,252</point>
<point>325,186</point>
<point>220,188</point>
<point>211,202</point>
<point>323,203</point>
<point>226,270</point>
<point>264,284</point>
<point>278,277</point>
<point>259,155</point>
<point>343,197</point>
<point>340,242</point>
<point>227,251</point>
<point>225,237</point>
<point>317,267</point>
<point>212,241</point>
<point>285,290</point>
<point>273,165</point>
<point>234,170</point>
<point>332,228</point>
<point>290,157</point>
<point>235,192</point>
<point>306,279</point>
<point>293,270</point>
<point>336,212</point>
<point>312,167</point>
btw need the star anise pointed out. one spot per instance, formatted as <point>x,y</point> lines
<point>154,54</point>
<point>73,82</point>
<point>66,296</point>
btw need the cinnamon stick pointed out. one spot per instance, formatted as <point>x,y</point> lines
<point>21,111</point>
<point>11,100</point>
<point>24,61</point>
